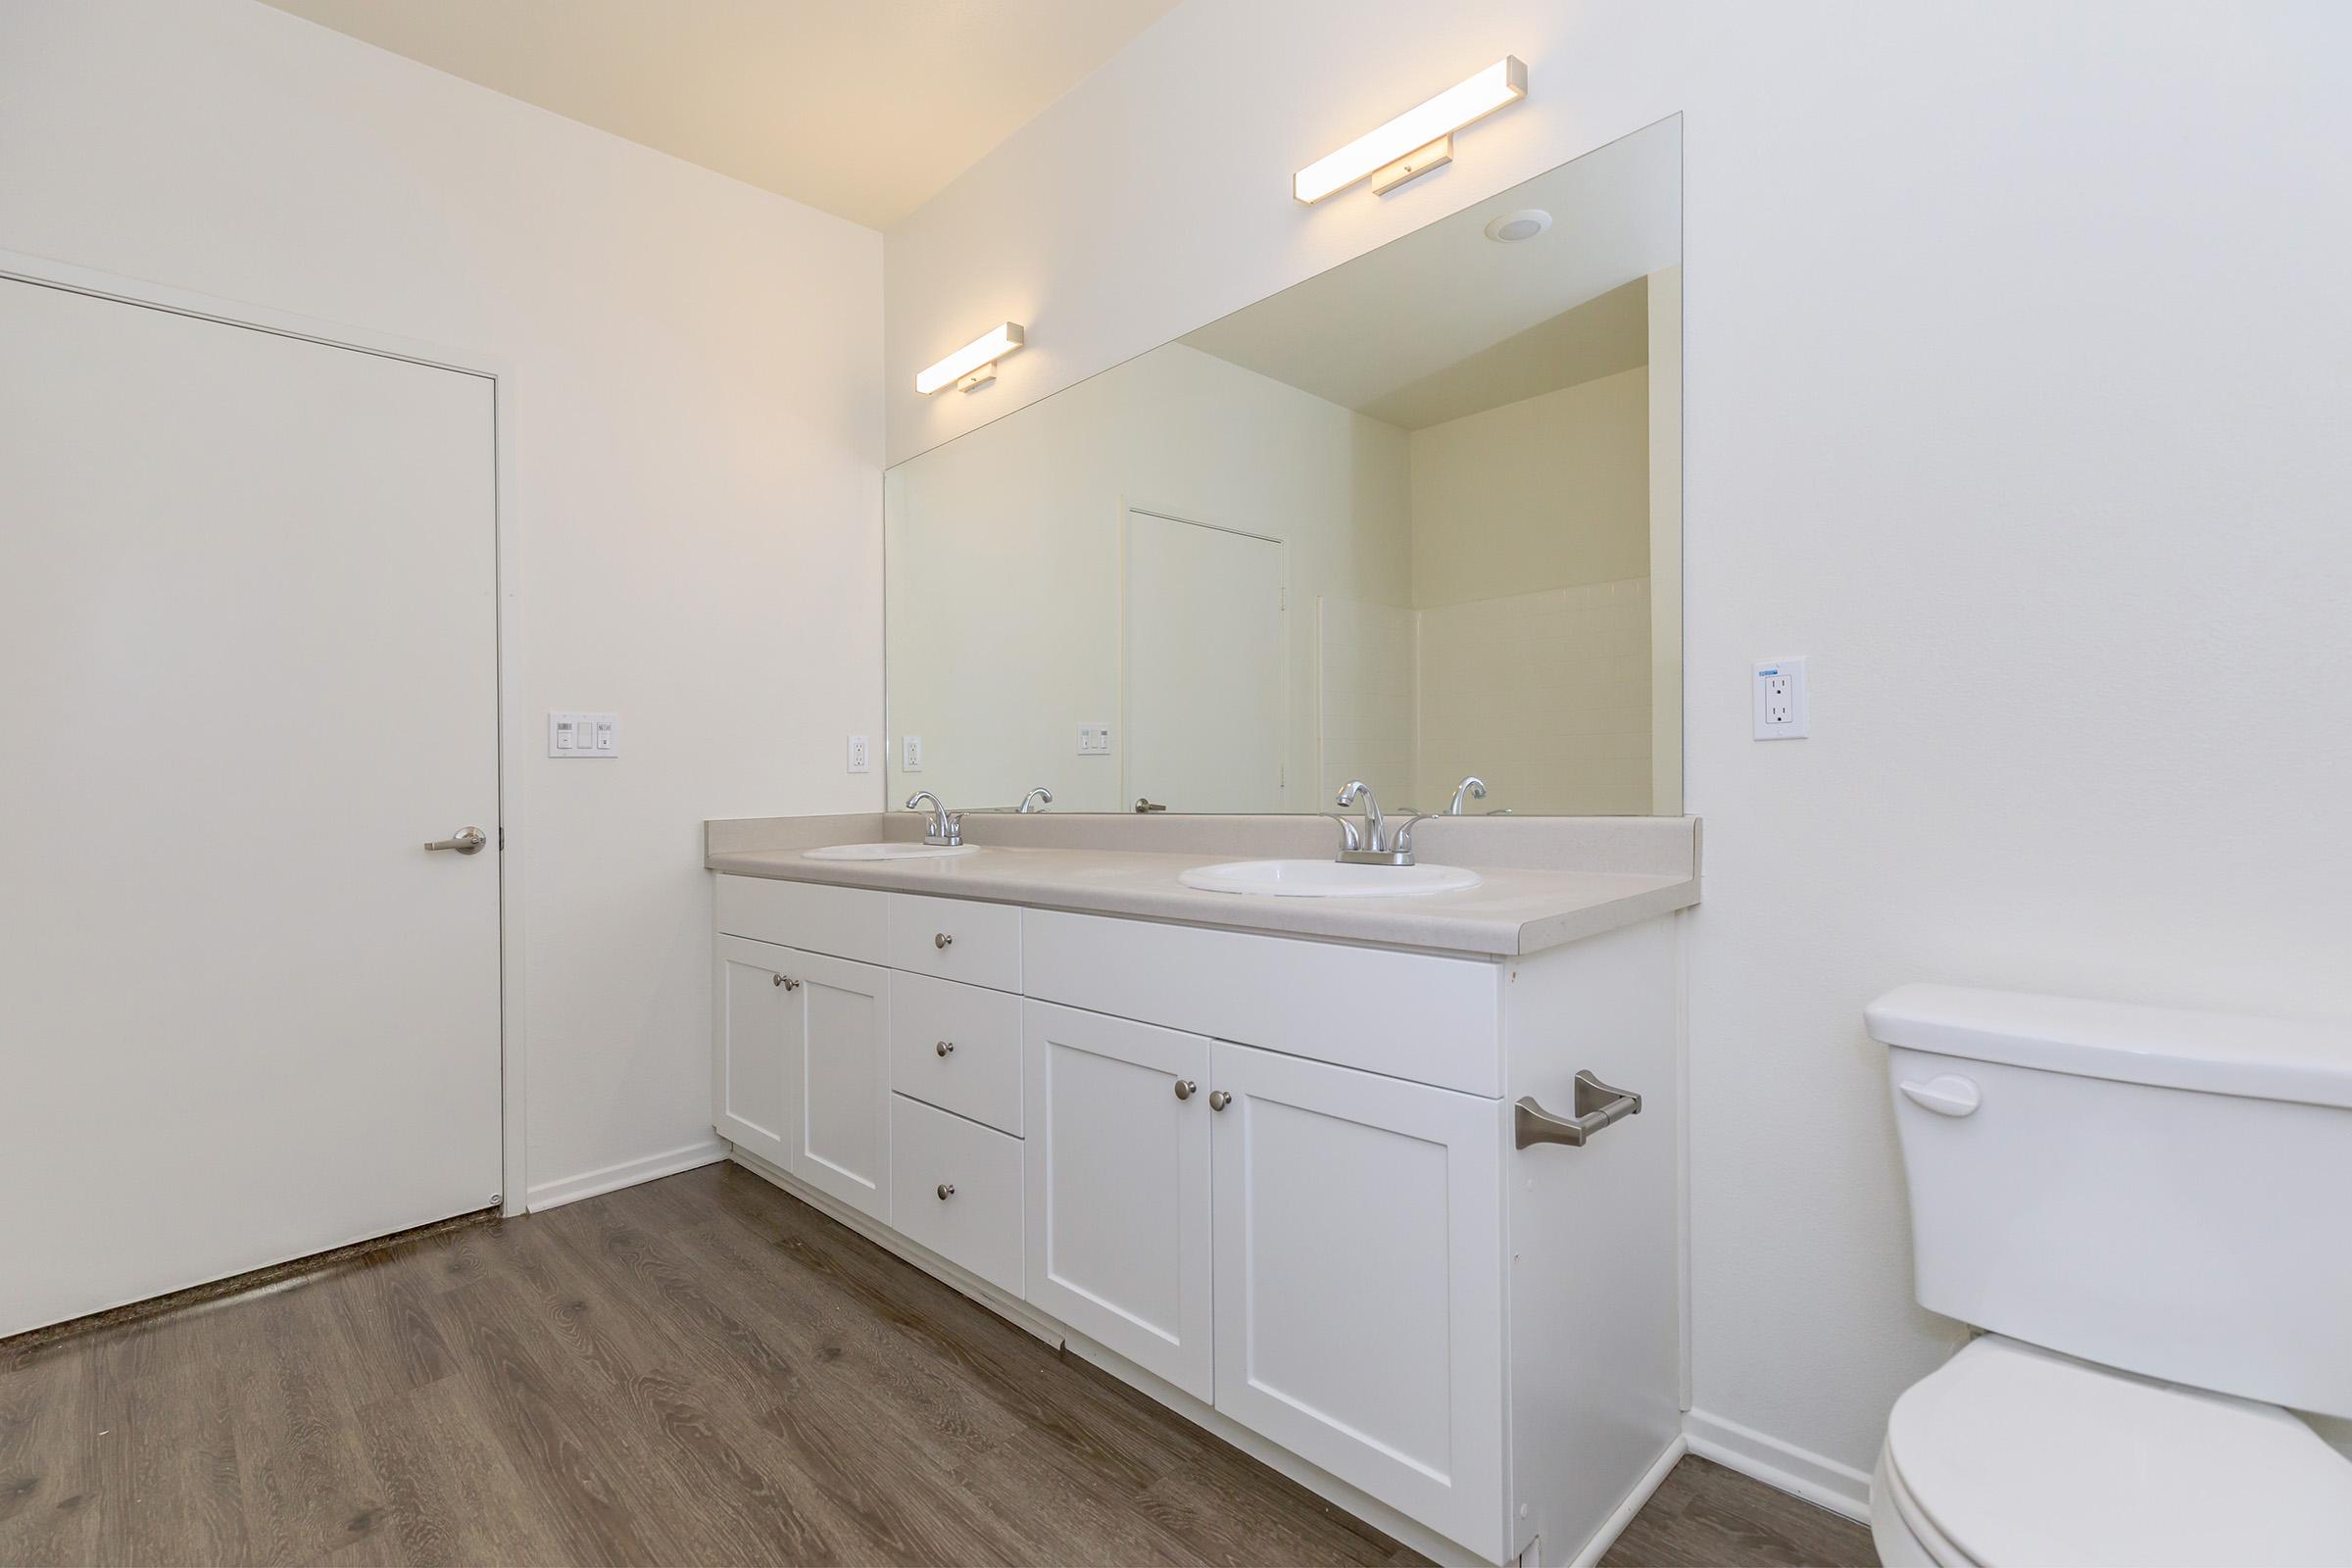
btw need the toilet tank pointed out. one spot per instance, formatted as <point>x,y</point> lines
<point>2169,1193</point>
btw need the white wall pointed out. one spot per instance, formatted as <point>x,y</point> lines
<point>1531,567</point>
<point>697,441</point>
<point>1005,565</point>
<point>1549,492</point>
<point>2015,348</point>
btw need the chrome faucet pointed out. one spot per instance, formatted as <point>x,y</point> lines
<point>1037,799</point>
<point>1375,843</point>
<point>945,828</point>
<point>1474,787</point>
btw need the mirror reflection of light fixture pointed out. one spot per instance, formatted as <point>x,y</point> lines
<point>1416,142</point>
<point>973,366</point>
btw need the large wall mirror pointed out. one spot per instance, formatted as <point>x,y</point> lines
<point>1415,519</point>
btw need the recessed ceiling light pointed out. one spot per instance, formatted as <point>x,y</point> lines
<point>1512,228</point>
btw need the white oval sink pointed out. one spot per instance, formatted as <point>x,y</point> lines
<point>1326,879</point>
<point>888,852</point>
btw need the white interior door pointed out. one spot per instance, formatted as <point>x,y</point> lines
<point>1207,667</point>
<point>248,667</point>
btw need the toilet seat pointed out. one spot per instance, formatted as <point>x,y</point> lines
<point>2014,1455</point>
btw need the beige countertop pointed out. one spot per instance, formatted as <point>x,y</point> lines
<point>1643,868</point>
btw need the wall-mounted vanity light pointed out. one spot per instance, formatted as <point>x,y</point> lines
<point>973,366</point>
<point>1416,142</point>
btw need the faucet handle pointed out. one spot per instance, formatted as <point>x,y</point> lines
<point>1354,840</point>
<point>1401,840</point>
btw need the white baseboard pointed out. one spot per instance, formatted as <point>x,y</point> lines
<point>1614,1526</point>
<point>628,1173</point>
<point>1816,1478</point>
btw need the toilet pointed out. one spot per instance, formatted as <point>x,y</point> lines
<point>2148,1214</point>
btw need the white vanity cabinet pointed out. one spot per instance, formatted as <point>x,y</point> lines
<point>755,1077</point>
<point>1272,1181</point>
<point>1118,1118</point>
<point>801,1066</point>
<point>1359,1279</point>
<point>840,1142</point>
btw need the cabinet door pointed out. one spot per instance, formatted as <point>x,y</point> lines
<point>1118,1125</point>
<point>841,1141</point>
<point>1359,1281</point>
<point>754,1051</point>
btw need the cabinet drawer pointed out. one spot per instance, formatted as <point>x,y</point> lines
<point>812,916</point>
<point>957,939</point>
<point>958,1048</point>
<point>956,1188</point>
<point>1412,1015</point>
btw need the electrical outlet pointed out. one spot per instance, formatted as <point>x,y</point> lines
<point>910,753</point>
<point>1094,740</point>
<point>860,757</point>
<point>1781,700</point>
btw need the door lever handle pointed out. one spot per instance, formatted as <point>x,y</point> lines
<point>1597,1106</point>
<point>467,841</point>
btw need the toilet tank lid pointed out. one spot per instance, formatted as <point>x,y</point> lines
<point>2212,1052</point>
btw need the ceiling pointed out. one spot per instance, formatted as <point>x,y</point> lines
<point>863,107</point>
<point>1445,323</point>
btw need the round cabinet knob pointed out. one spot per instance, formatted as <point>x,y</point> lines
<point>1185,1088</point>
<point>947,1190</point>
<point>778,979</point>
<point>943,1047</point>
<point>939,939</point>
<point>1218,1100</point>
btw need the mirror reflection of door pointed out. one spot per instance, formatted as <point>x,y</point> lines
<point>1207,677</point>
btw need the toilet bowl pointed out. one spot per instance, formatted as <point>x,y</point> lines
<point>2009,1455</point>
<point>2144,1209</point>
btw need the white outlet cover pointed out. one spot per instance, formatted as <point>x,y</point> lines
<point>861,753</point>
<point>1779,694</point>
<point>910,753</point>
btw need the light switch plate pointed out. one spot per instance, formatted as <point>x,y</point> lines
<point>910,753</point>
<point>1779,692</point>
<point>570,734</point>
<point>1094,740</point>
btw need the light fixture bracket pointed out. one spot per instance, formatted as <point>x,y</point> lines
<point>1413,165</point>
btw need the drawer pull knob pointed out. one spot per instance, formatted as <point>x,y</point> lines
<point>787,982</point>
<point>1218,1100</point>
<point>939,939</point>
<point>943,1047</point>
<point>947,1190</point>
<point>1185,1088</point>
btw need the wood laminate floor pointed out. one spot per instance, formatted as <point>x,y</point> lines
<point>697,1370</point>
